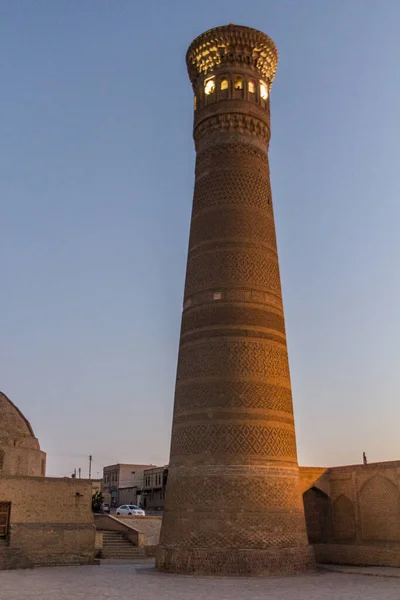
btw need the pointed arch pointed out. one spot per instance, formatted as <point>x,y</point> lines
<point>318,514</point>
<point>380,509</point>
<point>343,518</point>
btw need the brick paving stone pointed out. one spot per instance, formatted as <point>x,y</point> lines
<point>141,582</point>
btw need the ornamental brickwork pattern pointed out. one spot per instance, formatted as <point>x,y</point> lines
<point>234,438</point>
<point>236,394</point>
<point>232,188</point>
<point>233,503</point>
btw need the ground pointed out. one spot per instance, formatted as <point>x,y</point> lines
<point>141,582</point>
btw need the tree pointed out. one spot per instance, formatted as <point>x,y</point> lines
<point>97,501</point>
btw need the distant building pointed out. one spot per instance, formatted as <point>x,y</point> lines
<point>96,485</point>
<point>121,476</point>
<point>154,486</point>
<point>129,495</point>
<point>133,493</point>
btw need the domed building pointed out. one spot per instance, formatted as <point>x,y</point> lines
<point>20,452</point>
<point>44,521</point>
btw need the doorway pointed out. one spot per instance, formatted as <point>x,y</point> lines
<point>5,509</point>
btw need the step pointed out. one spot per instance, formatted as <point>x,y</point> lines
<point>120,545</point>
<point>122,555</point>
<point>127,558</point>
<point>132,550</point>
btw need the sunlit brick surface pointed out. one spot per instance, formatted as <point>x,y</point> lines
<point>233,503</point>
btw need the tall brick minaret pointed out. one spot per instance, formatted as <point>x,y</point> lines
<point>233,502</point>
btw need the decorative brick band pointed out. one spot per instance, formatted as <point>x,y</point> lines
<point>204,561</point>
<point>235,438</point>
<point>231,123</point>
<point>232,45</point>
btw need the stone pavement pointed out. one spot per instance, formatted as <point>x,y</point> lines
<point>141,582</point>
<point>375,571</point>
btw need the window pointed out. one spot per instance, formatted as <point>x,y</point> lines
<point>263,90</point>
<point>43,467</point>
<point>224,84</point>
<point>238,85</point>
<point>252,87</point>
<point>195,103</point>
<point>217,296</point>
<point>209,86</point>
<point>1,459</point>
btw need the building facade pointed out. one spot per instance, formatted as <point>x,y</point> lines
<point>154,488</point>
<point>43,521</point>
<point>233,502</point>
<point>353,513</point>
<point>121,476</point>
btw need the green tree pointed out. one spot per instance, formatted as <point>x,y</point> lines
<point>97,501</point>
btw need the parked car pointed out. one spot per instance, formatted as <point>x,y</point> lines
<point>130,509</point>
<point>105,508</point>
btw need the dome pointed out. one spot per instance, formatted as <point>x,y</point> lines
<point>13,424</point>
<point>20,452</point>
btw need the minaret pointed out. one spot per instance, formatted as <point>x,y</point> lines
<point>233,503</point>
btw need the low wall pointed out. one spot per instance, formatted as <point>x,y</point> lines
<point>149,527</point>
<point>51,522</point>
<point>110,523</point>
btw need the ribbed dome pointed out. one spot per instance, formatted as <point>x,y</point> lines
<point>13,424</point>
<point>20,452</point>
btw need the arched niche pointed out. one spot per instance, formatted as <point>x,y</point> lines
<point>343,518</point>
<point>318,514</point>
<point>380,510</point>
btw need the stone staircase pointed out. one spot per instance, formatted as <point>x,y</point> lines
<point>117,547</point>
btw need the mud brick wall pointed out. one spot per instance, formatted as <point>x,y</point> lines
<point>355,518</point>
<point>51,522</point>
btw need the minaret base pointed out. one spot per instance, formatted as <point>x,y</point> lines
<point>243,562</point>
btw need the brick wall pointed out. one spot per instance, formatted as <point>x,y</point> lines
<point>22,461</point>
<point>353,514</point>
<point>51,522</point>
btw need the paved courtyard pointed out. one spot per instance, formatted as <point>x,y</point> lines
<point>141,582</point>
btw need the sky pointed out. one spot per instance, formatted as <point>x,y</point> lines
<point>96,183</point>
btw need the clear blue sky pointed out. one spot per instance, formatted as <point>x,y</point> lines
<point>96,175</point>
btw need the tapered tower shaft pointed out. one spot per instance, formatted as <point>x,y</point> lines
<point>233,501</point>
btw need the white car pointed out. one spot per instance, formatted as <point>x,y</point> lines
<point>130,509</point>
